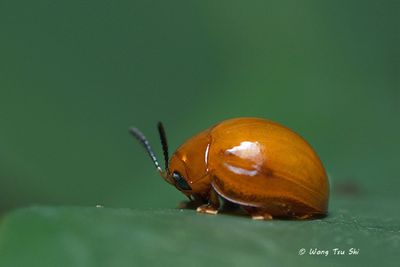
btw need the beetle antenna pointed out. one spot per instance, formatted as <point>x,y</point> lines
<point>143,140</point>
<point>163,138</point>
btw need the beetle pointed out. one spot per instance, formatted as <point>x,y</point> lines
<point>261,166</point>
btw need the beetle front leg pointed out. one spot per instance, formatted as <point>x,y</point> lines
<point>213,204</point>
<point>191,204</point>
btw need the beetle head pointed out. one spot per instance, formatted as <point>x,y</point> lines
<point>190,162</point>
<point>176,170</point>
<point>185,178</point>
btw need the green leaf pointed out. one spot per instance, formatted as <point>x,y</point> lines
<point>86,236</point>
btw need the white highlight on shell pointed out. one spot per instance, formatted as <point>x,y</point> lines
<point>247,150</point>
<point>241,171</point>
<point>206,154</point>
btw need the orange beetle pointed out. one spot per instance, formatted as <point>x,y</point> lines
<point>258,165</point>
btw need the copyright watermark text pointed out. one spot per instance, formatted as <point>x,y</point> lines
<point>327,252</point>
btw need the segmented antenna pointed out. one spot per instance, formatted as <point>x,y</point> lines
<point>142,139</point>
<point>164,144</point>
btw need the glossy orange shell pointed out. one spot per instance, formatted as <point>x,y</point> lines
<point>256,163</point>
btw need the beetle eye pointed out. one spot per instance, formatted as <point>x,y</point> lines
<point>180,181</point>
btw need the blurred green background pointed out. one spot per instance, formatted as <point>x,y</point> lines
<point>74,75</point>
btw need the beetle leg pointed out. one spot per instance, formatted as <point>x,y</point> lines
<point>213,204</point>
<point>304,217</point>
<point>258,214</point>
<point>192,205</point>
<point>264,216</point>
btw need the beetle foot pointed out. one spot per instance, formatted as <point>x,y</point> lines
<point>303,217</point>
<point>264,216</point>
<point>209,209</point>
<point>192,205</point>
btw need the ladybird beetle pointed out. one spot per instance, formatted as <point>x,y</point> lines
<point>258,165</point>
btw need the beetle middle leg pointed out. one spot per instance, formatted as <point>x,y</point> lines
<point>213,204</point>
<point>258,213</point>
<point>194,202</point>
